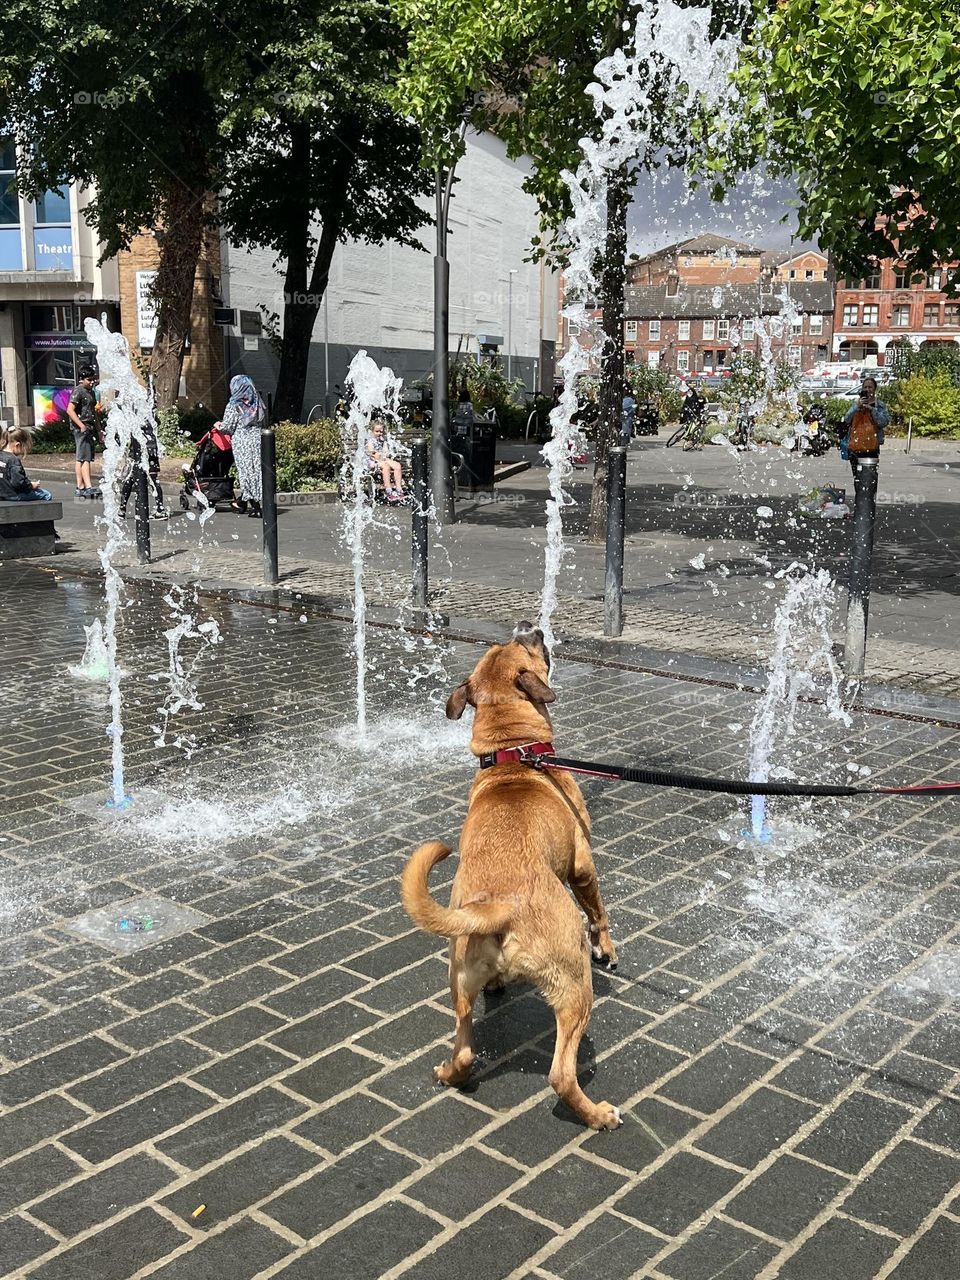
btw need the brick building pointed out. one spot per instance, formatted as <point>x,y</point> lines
<point>691,306</point>
<point>894,305</point>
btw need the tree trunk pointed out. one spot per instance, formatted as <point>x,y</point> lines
<point>612,281</point>
<point>302,298</point>
<point>183,219</point>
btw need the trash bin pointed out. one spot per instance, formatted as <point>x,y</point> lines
<point>478,444</point>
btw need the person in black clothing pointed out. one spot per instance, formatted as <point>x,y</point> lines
<point>82,412</point>
<point>135,454</point>
<point>692,411</point>
<point>15,484</point>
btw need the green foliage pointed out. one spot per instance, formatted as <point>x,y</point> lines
<point>196,422</point>
<point>309,456</point>
<point>53,437</point>
<point>862,101</point>
<point>656,385</point>
<point>931,400</point>
<point>908,361</point>
<point>174,440</point>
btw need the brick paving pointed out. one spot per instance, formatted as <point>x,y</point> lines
<point>782,1034</point>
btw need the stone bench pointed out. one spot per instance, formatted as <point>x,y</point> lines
<point>26,528</point>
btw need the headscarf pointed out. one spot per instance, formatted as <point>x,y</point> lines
<point>245,398</point>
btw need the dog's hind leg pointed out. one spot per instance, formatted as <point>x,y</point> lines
<point>467,976</point>
<point>586,890</point>
<point>572,1002</point>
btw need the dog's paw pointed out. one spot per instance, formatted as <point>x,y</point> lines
<point>607,1117</point>
<point>602,950</point>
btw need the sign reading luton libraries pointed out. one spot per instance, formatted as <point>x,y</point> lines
<point>146,308</point>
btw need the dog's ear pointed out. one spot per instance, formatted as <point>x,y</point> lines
<point>535,689</point>
<point>457,702</point>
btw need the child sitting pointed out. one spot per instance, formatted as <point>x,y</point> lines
<point>378,451</point>
<point>15,485</point>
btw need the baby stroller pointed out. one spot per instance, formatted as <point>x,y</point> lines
<point>209,474</point>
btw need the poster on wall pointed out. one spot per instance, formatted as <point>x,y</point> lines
<point>146,308</point>
<point>50,404</point>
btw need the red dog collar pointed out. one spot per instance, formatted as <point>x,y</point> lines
<point>529,753</point>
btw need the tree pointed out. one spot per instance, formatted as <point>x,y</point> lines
<point>860,102</point>
<point>132,107</point>
<point>316,141</point>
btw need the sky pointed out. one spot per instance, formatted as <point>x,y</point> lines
<point>663,212</point>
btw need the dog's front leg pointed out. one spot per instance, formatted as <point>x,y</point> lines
<point>586,890</point>
<point>465,983</point>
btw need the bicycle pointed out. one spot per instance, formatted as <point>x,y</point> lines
<point>691,433</point>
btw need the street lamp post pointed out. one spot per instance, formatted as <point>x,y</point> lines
<point>510,275</point>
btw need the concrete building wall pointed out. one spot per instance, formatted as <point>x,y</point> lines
<point>380,298</point>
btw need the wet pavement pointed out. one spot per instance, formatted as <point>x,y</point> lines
<point>247,1091</point>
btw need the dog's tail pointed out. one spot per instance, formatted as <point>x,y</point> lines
<point>448,922</point>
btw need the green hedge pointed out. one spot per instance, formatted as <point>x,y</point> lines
<point>53,437</point>
<point>309,456</point>
<point>931,400</point>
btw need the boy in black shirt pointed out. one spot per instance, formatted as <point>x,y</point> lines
<point>82,412</point>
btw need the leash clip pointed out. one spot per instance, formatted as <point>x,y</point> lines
<point>528,756</point>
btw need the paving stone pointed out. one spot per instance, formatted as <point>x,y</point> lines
<point>137,1122</point>
<point>337,1190</point>
<point>762,1123</point>
<point>649,1128</point>
<point>935,1254</point>
<point>35,1122</point>
<point>567,1189</point>
<point>241,1182</point>
<point>46,1033</point>
<point>127,1080</point>
<point>241,1071</point>
<point>817,1077</point>
<point>339,1023</point>
<point>22,1243</point>
<point>677,1193</point>
<point>489,1249</point>
<point>607,1247</point>
<point>102,1195</point>
<point>408,1033</point>
<point>222,1131</point>
<point>716,1077</point>
<point>147,1029</point>
<point>241,988</point>
<point>25,1179</point>
<point>941,1126</point>
<point>463,1184</point>
<point>939,1040</point>
<point>911,1080</point>
<point>368,1248</point>
<point>530,1137</point>
<point>719,1249</point>
<point>117,1252</point>
<point>350,1121</point>
<point>238,1028</point>
<point>392,995</point>
<point>241,1252</point>
<point>866,1036</point>
<point>331,1074</point>
<point>56,1069</point>
<point>158,989</point>
<point>786,1197</point>
<point>904,1188</point>
<point>327,950</point>
<point>310,994</point>
<point>854,1132</point>
<point>843,1247</point>
<point>225,961</point>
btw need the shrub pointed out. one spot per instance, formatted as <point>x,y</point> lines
<point>173,439</point>
<point>53,437</point>
<point>309,456</point>
<point>931,400</point>
<point>196,422</point>
<point>656,385</point>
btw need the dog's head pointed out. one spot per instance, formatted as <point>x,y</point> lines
<point>509,690</point>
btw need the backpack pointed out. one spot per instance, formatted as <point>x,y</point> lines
<point>863,436</point>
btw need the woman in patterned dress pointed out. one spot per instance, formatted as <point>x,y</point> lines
<point>242,420</point>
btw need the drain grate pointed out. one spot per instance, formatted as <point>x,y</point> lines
<point>131,926</point>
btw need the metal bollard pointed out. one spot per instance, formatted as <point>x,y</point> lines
<point>268,505</point>
<point>861,556</point>
<point>616,510</point>
<point>141,509</point>
<point>419,522</point>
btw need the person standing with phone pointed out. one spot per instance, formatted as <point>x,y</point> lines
<point>863,427</point>
<point>84,423</point>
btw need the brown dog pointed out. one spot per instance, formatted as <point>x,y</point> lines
<point>527,834</point>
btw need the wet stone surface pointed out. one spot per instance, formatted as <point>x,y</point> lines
<point>253,1095</point>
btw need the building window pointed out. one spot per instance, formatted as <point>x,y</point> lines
<point>749,330</point>
<point>573,329</point>
<point>52,234</point>
<point>933,279</point>
<point>673,286</point>
<point>901,315</point>
<point>653,359</point>
<point>952,316</point>
<point>708,328</point>
<point>850,317</point>
<point>931,315</point>
<point>808,275</point>
<point>796,326</point>
<point>683,330</point>
<point>901,277</point>
<point>816,324</point>
<point>872,281</point>
<point>792,275</point>
<point>723,330</point>
<point>793,356</point>
<point>683,361</point>
<point>11,257</point>
<point>871,313</point>
<point>654,331</point>
<point>631,330</point>
<point>721,359</point>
